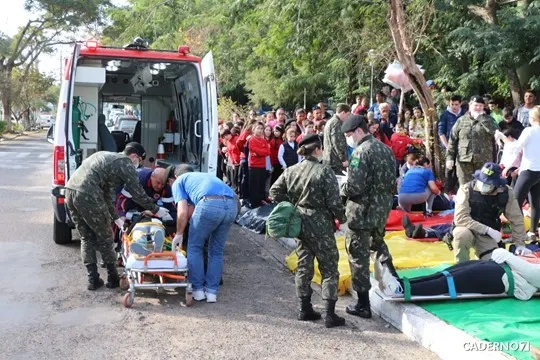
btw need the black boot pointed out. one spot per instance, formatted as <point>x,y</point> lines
<point>362,307</point>
<point>306,312</point>
<point>407,225</point>
<point>332,320</point>
<point>94,282</point>
<point>113,280</point>
<point>418,232</point>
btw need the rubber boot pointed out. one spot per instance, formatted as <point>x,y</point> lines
<point>332,320</point>
<point>113,280</point>
<point>306,312</point>
<point>94,282</point>
<point>362,307</point>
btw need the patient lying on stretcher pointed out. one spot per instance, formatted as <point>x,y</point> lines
<point>504,273</point>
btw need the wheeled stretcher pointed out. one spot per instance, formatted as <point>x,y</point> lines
<point>147,266</point>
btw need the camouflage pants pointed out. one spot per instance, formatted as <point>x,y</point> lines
<point>359,244</point>
<point>465,171</point>
<point>326,252</point>
<point>92,220</point>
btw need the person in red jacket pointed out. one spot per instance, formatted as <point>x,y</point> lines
<point>259,149</point>
<point>399,144</point>
<point>375,130</point>
<point>241,144</point>
<point>233,158</point>
<point>275,143</point>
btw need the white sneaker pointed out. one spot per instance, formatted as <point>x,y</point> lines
<point>391,284</point>
<point>211,298</point>
<point>199,295</point>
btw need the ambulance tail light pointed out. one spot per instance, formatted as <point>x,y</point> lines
<point>59,164</point>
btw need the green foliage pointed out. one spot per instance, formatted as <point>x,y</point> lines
<point>226,107</point>
<point>3,127</point>
<point>279,49</point>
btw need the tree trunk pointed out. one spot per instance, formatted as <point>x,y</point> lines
<point>6,96</point>
<point>418,82</point>
<point>515,86</point>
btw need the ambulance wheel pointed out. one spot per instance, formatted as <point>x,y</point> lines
<point>124,283</point>
<point>128,300</point>
<point>61,232</point>
<point>189,299</point>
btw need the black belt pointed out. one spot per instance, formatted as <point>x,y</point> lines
<point>217,197</point>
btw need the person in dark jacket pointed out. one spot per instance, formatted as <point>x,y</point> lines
<point>448,119</point>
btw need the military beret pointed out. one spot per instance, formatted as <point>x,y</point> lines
<point>478,99</point>
<point>310,139</point>
<point>352,123</point>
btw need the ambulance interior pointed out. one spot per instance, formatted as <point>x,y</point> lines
<point>168,96</point>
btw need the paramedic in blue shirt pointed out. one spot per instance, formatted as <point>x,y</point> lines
<point>418,186</point>
<point>215,210</point>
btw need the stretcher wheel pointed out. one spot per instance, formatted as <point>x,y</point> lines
<point>128,300</point>
<point>189,298</point>
<point>124,283</point>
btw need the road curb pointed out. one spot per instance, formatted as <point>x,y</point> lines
<point>4,138</point>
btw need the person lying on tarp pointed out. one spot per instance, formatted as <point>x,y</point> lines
<point>155,183</point>
<point>477,223</point>
<point>504,273</point>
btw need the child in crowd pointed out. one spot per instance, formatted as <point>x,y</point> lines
<point>416,124</point>
<point>259,150</point>
<point>233,158</point>
<point>241,144</point>
<point>268,136</point>
<point>309,128</point>
<point>287,155</point>
<point>400,142</point>
<point>275,144</point>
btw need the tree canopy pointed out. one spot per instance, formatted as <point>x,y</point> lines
<point>276,49</point>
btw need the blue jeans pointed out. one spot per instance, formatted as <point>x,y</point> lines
<point>212,219</point>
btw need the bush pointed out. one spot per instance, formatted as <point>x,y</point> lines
<point>17,127</point>
<point>3,126</point>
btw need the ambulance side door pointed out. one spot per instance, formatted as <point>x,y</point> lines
<point>210,122</point>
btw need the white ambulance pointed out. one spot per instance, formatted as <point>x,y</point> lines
<point>173,95</point>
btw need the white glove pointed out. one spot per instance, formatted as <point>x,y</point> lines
<point>177,241</point>
<point>162,212</point>
<point>120,223</point>
<point>449,164</point>
<point>522,250</point>
<point>494,234</point>
<point>499,135</point>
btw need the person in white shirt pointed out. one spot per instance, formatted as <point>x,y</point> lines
<point>287,153</point>
<point>510,151</point>
<point>528,182</point>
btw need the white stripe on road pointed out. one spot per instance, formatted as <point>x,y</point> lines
<point>21,155</point>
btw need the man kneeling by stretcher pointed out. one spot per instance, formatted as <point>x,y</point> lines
<point>477,223</point>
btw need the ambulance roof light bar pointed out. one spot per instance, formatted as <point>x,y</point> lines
<point>183,50</point>
<point>91,45</point>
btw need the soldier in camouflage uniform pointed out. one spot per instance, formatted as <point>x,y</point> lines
<point>319,204</point>
<point>90,201</point>
<point>472,142</point>
<point>369,192</point>
<point>335,145</point>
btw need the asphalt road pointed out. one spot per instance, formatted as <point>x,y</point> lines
<point>47,313</point>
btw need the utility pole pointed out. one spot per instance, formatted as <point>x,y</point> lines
<point>371,55</point>
<point>305,95</point>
